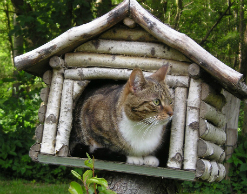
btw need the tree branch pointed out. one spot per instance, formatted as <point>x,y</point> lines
<point>216,23</point>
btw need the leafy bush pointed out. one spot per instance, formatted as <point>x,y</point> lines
<point>18,120</point>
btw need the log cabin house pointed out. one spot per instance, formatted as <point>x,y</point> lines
<point>206,92</point>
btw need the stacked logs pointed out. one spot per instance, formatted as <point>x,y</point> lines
<point>205,130</point>
<point>55,112</point>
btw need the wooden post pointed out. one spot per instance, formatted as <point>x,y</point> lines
<point>53,109</point>
<point>65,119</point>
<point>231,110</point>
<point>177,129</point>
<point>192,125</point>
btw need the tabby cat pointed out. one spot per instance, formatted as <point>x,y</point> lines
<point>128,118</point>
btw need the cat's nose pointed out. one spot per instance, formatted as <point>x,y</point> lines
<point>170,113</point>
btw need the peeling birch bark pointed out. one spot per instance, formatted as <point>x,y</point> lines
<point>66,117</point>
<point>129,22</point>
<point>44,93</point>
<point>52,113</point>
<point>203,169</point>
<point>177,129</point>
<point>211,133</point>
<point>141,49</point>
<point>194,71</point>
<point>41,113</point>
<point>80,59</point>
<point>39,133</point>
<point>79,87</point>
<point>212,115</point>
<point>118,74</point>
<point>47,77</point>
<point>211,151</point>
<point>214,172</point>
<point>192,125</point>
<point>211,97</point>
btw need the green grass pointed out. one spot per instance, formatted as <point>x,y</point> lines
<point>25,187</point>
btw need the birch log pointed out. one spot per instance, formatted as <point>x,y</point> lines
<point>203,169</point>
<point>52,113</point>
<point>41,113</point>
<point>194,71</point>
<point>120,33</point>
<point>210,96</point>
<point>34,151</point>
<point>141,49</point>
<point>65,119</point>
<point>192,125</point>
<point>39,133</point>
<point>211,114</point>
<point>47,77</point>
<point>222,173</point>
<point>211,151</point>
<point>231,110</point>
<point>225,75</point>
<point>211,133</point>
<point>177,129</point>
<point>56,62</point>
<point>44,93</point>
<point>118,74</point>
<point>80,59</point>
<point>78,87</point>
<point>129,22</point>
<point>214,172</point>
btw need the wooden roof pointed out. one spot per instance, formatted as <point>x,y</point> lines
<point>36,61</point>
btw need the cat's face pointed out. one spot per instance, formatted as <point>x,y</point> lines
<point>148,99</point>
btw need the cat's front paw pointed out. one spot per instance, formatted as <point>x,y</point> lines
<point>151,161</point>
<point>134,160</point>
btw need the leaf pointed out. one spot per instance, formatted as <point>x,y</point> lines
<point>89,162</point>
<point>87,175</point>
<point>103,190</point>
<point>75,188</point>
<point>243,167</point>
<point>76,174</point>
<point>100,181</point>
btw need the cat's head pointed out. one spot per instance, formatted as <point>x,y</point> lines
<point>148,98</point>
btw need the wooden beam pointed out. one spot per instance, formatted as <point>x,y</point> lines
<point>141,49</point>
<point>175,159</point>
<point>192,124</point>
<point>80,59</point>
<point>118,74</point>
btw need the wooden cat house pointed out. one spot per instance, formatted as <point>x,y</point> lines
<point>206,91</point>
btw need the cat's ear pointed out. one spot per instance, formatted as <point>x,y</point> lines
<point>136,80</point>
<point>160,75</point>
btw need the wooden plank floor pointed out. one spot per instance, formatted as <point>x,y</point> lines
<point>119,167</point>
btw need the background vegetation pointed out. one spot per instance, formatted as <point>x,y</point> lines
<point>219,26</point>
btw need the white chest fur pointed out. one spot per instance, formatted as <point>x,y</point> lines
<point>142,138</point>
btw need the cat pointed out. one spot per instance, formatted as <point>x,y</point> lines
<point>128,118</point>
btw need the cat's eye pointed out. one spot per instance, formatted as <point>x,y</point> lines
<point>156,102</point>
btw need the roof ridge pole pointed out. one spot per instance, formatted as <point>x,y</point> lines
<point>72,38</point>
<point>227,76</point>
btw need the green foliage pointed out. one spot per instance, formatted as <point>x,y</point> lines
<point>90,182</point>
